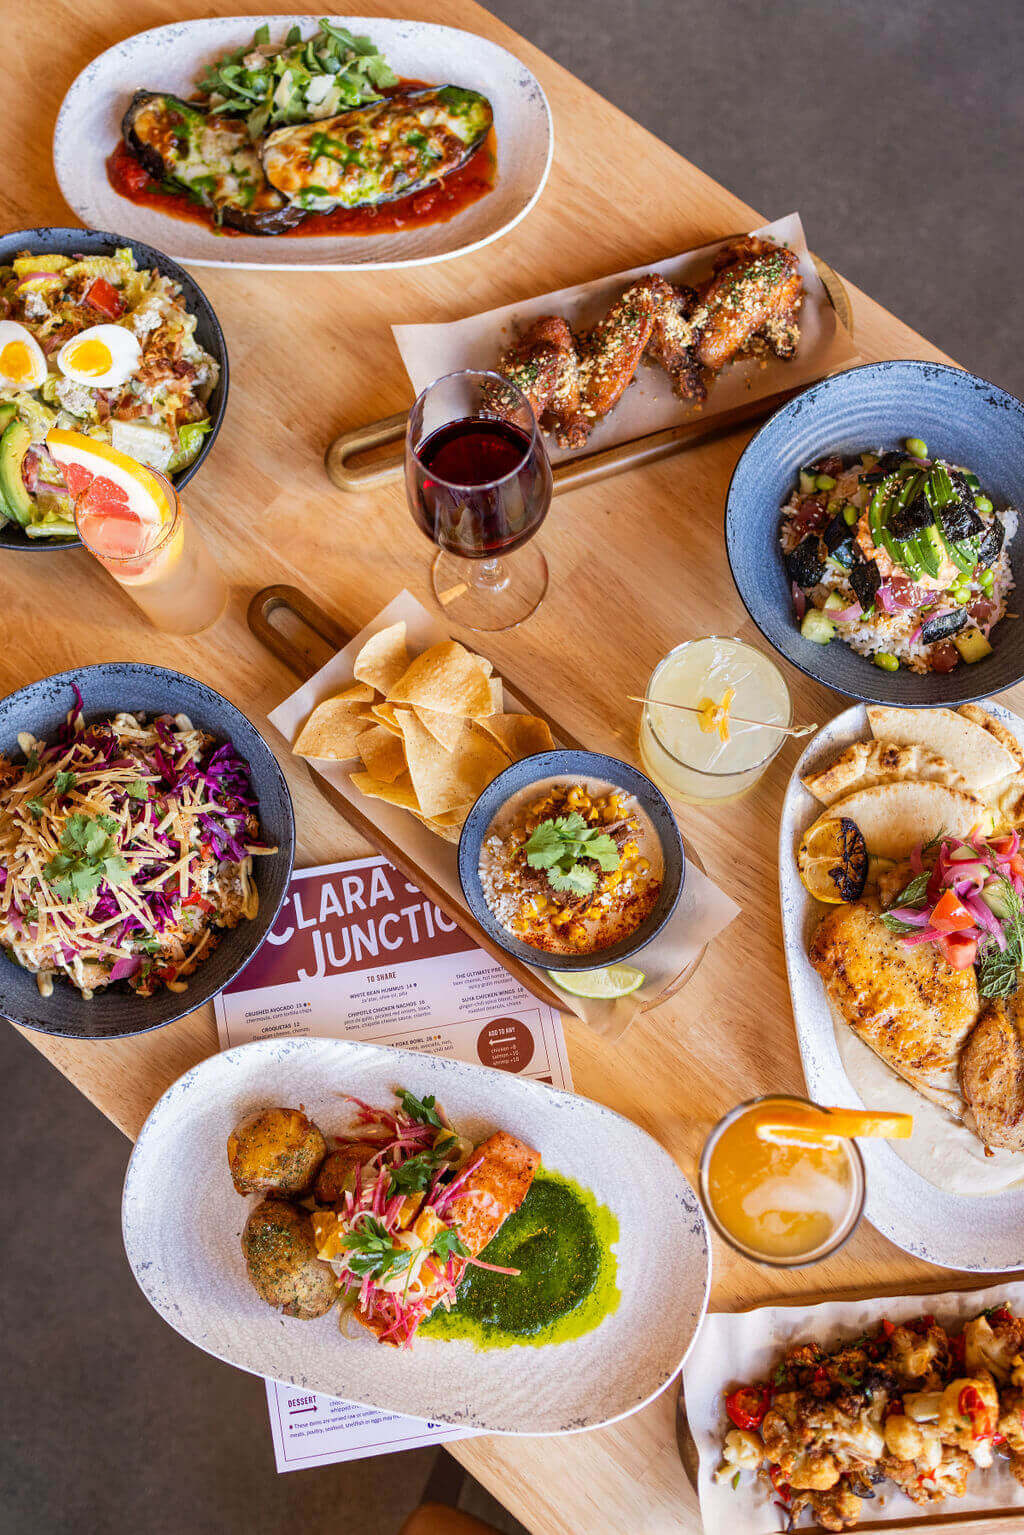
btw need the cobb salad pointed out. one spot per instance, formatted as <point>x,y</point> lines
<point>124,846</point>
<point>93,344</point>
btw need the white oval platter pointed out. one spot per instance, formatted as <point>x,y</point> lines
<point>170,58</point>
<point>978,1233</point>
<point>182,1222</point>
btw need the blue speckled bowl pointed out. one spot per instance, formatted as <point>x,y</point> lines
<point>960,417</point>
<point>572,765</point>
<point>93,242</point>
<point>112,686</point>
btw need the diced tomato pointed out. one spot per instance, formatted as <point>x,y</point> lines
<point>950,915</point>
<point>971,1406</point>
<point>1016,865</point>
<point>103,296</point>
<point>747,1406</point>
<point>945,656</point>
<point>959,950</point>
<point>202,903</point>
<point>168,973</point>
<point>887,1327</point>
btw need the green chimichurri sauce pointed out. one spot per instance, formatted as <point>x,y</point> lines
<point>560,1239</point>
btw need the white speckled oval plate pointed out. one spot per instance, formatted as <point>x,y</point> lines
<point>980,1233</point>
<point>182,1222</point>
<point>170,58</point>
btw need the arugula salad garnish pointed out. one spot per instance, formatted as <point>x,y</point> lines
<point>559,847</point>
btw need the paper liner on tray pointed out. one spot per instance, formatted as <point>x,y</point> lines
<point>735,1347</point>
<point>703,910</point>
<point>648,405</point>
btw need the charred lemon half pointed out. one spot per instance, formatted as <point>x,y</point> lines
<point>833,860</point>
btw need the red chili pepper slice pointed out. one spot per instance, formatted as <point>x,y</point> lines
<point>887,1327</point>
<point>971,1406</point>
<point>200,901</point>
<point>747,1406</point>
<point>782,1488</point>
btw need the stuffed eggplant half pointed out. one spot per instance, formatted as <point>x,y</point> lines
<point>375,153</point>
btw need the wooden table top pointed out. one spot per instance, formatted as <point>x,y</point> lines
<point>311,355</point>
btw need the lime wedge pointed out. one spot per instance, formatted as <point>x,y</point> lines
<point>616,981</point>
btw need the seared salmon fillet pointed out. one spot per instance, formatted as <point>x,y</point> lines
<point>491,1193</point>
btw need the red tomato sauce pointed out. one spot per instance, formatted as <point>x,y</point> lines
<point>431,205</point>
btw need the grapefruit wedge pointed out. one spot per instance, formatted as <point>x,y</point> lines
<point>120,505</point>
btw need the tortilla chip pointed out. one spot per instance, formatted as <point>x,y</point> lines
<point>400,793</point>
<point>383,753</point>
<point>439,828</point>
<point>445,728</point>
<point>331,732</point>
<point>383,659</point>
<point>442,779</point>
<point>384,714</point>
<point>447,679</point>
<point>496,703</point>
<point>361,693</point>
<point>520,735</point>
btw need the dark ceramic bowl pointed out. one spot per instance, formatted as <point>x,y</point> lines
<point>41,709</point>
<point>92,242</point>
<point>961,418</point>
<point>572,766</point>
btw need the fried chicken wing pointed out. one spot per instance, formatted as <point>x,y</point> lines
<point>544,364</point>
<point>650,317</point>
<point>908,1004</point>
<point>752,297</point>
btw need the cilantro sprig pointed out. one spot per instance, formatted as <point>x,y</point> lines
<point>558,847</point>
<point>88,856</point>
<point>423,1110</point>
<point>417,1173</point>
<point>373,1253</point>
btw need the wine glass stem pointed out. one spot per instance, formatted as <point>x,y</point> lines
<point>490,575</point>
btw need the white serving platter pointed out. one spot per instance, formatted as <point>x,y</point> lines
<point>978,1233</point>
<point>182,1222</point>
<point>170,58</point>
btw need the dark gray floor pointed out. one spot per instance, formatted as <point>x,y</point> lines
<point>895,127</point>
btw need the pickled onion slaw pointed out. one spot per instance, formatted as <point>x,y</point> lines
<point>124,845</point>
<point>393,1238</point>
<point>967,897</point>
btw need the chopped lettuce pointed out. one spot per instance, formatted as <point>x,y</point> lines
<point>190,440</point>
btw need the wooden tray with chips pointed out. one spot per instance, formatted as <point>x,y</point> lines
<point>300,633</point>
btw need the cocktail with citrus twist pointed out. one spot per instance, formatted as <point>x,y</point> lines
<point>131,519</point>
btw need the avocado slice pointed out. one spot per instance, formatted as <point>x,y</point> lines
<point>929,550</point>
<point>14,444</point>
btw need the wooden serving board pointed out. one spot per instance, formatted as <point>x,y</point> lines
<point>305,618</point>
<point>344,470</point>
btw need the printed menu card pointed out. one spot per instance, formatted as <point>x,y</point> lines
<point>357,952</point>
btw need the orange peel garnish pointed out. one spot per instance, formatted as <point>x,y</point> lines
<point>812,1126</point>
<point>716,716</point>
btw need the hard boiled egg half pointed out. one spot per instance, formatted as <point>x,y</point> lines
<point>22,363</point>
<point>104,356</point>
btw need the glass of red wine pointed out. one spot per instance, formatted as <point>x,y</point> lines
<point>479,485</point>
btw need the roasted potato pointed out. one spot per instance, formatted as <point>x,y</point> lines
<point>276,1151</point>
<point>280,1255</point>
<point>338,1174</point>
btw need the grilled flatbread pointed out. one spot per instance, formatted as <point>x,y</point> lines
<point>995,728</point>
<point>970,748</point>
<point>897,817</point>
<point>866,764</point>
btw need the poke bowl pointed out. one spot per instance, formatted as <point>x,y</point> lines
<point>871,527</point>
<point>571,860</point>
<point>164,326</point>
<point>146,844</point>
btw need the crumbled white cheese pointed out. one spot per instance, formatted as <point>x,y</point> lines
<point>77,399</point>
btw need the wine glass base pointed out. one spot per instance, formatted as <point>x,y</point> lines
<point>491,594</point>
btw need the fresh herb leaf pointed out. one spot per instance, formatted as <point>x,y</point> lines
<point>64,781</point>
<point>913,894</point>
<point>373,1253</point>
<point>138,789</point>
<point>417,1173</point>
<point>735,1481</point>
<point>447,1244</point>
<point>148,945</point>
<point>999,969</point>
<point>36,805</point>
<point>87,857</point>
<point>424,1110</point>
<point>558,847</point>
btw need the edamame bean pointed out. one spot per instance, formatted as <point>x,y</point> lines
<point>987,580</point>
<point>849,515</point>
<point>887,662</point>
<point>983,503</point>
<point>916,447</point>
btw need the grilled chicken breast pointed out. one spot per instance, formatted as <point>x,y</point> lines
<point>907,1003</point>
<point>992,1074</point>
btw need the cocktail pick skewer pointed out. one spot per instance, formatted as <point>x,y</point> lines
<point>784,730</point>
